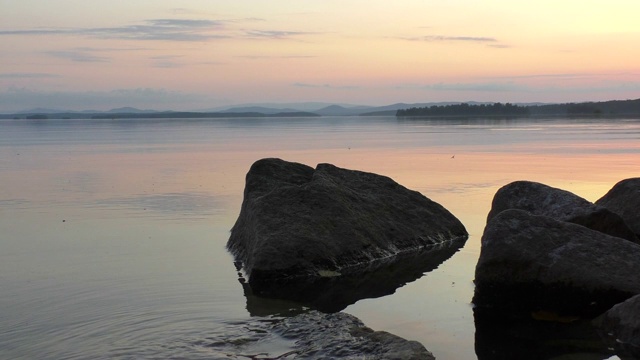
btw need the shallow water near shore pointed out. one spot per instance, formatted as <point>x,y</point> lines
<point>113,232</point>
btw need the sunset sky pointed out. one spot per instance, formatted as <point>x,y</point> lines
<point>196,54</point>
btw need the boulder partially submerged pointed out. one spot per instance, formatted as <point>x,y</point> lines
<point>621,325</point>
<point>299,223</point>
<point>624,200</point>
<point>541,199</point>
<point>530,263</point>
<point>550,262</point>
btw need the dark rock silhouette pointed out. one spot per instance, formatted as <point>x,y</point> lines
<point>550,262</point>
<point>540,199</point>
<point>624,200</point>
<point>621,326</point>
<point>499,337</point>
<point>300,225</point>
<point>530,263</point>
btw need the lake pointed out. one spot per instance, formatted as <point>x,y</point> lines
<point>113,232</point>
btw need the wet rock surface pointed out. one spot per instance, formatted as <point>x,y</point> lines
<point>297,222</point>
<point>314,335</point>
<point>343,336</point>
<point>530,263</point>
<point>550,262</point>
<point>624,199</point>
<point>621,326</point>
<point>541,199</point>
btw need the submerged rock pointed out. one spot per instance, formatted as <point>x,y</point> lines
<point>313,335</point>
<point>540,199</point>
<point>343,336</point>
<point>624,200</point>
<point>621,324</point>
<point>529,263</point>
<point>303,224</point>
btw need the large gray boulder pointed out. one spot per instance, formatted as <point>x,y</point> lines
<point>621,324</point>
<point>624,200</point>
<point>531,263</point>
<point>299,223</point>
<point>540,199</point>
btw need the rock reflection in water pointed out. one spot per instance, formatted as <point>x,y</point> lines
<point>549,337</point>
<point>333,294</point>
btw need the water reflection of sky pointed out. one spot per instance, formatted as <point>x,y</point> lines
<point>148,206</point>
<point>184,206</point>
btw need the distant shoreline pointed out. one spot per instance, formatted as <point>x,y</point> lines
<point>605,109</point>
<point>153,115</point>
<point>590,109</point>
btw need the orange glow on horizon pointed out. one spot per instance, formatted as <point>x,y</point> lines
<point>414,51</point>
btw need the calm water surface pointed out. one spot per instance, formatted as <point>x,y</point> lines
<point>112,233</point>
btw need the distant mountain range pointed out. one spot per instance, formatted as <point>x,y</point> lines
<point>285,109</point>
<point>323,109</point>
<point>311,109</point>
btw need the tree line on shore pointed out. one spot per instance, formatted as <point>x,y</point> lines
<point>606,108</point>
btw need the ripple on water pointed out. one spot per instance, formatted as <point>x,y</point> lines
<point>114,320</point>
<point>237,339</point>
<point>184,205</point>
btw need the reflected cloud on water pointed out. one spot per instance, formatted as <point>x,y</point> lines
<point>145,229</point>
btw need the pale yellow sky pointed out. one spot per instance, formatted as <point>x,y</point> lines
<point>194,54</point>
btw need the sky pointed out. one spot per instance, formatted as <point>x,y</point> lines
<point>203,54</point>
